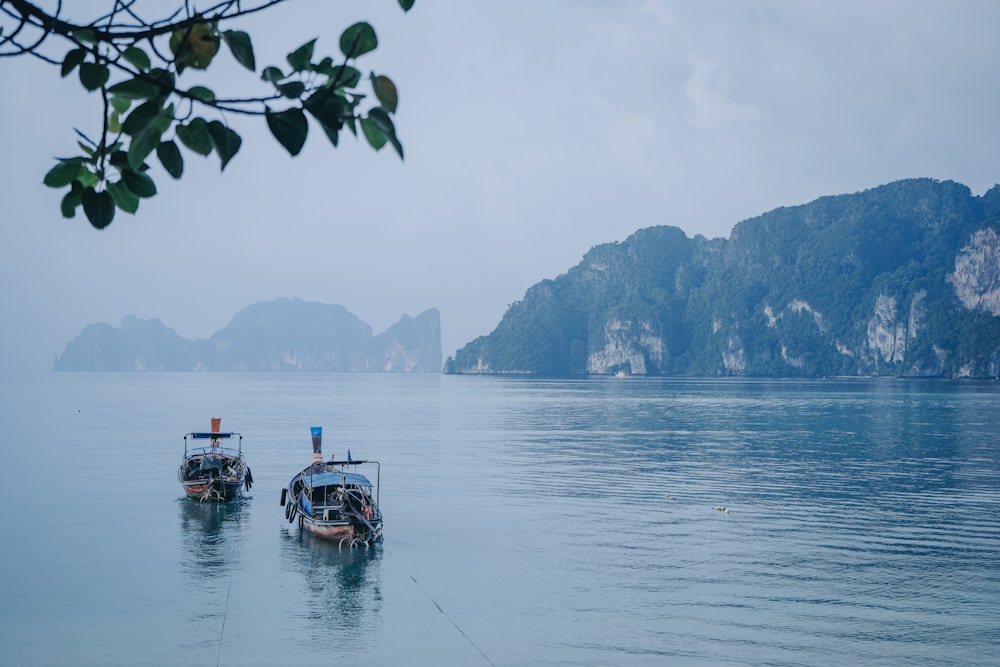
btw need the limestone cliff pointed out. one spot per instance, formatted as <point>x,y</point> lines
<point>976,277</point>
<point>899,280</point>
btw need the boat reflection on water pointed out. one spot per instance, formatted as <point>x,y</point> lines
<point>342,587</point>
<point>212,538</point>
<point>211,534</point>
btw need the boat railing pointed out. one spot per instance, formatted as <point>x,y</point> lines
<point>215,438</point>
<point>208,451</point>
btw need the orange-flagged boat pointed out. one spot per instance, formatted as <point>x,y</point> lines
<point>334,500</point>
<point>211,471</point>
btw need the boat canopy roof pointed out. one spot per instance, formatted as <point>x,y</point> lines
<point>205,436</point>
<point>335,478</point>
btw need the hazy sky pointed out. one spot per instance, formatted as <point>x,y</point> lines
<point>534,130</point>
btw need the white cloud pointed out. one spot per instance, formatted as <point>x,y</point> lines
<point>631,140</point>
<point>658,10</point>
<point>706,91</point>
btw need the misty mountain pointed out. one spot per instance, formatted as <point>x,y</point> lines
<point>280,335</point>
<point>899,280</point>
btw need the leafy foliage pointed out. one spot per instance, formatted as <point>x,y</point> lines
<point>135,65</point>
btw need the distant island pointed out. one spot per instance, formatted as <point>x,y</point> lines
<point>281,335</point>
<point>902,280</point>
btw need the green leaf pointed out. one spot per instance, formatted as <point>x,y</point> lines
<point>138,183</point>
<point>135,89</point>
<point>120,104</point>
<point>378,126</point>
<point>375,136</point>
<point>85,35</point>
<point>141,117</point>
<point>69,203</point>
<point>292,89</point>
<point>226,142</point>
<point>300,57</point>
<point>382,119</point>
<point>194,46</point>
<point>137,57</point>
<point>87,178</point>
<point>64,173</point>
<point>143,143</point>
<point>118,160</point>
<point>123,197</point>
<point>345,76</point>
<point>407,5</point>
<point>350,124</point>
<point>385,91</point>
<point>164,79</point>
<point>324,66</point>
<point>289,127</point>
<point>170,158</point>
<point>93,75</point>
<point>398,146</point>
<point>328,108</point>
<point>99,207</point>
<point>241,48</point>
<point>72,59</point>
<point>195,136</point>
<point>358,40</point>
<point>332,133</point>
<point>272,74</point>
<point>202,93</point>
<point>146,129</point>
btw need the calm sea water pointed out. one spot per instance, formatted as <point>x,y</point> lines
<point>528,522</point>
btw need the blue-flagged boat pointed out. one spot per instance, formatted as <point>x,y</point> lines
<point>335,500</point>
<point>211,471</point>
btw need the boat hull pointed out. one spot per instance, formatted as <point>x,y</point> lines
<point>331,532</point>
<point>213,490</point>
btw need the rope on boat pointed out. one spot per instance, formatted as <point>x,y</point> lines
<point>452,621</point>
<point>225,611</point>
<point>222,631</point>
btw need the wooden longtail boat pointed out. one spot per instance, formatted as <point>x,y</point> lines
<point>334,500</point>
<point>211,471</point>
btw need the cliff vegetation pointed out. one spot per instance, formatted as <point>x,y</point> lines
<point>899,280</point>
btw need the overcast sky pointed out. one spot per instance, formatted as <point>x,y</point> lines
<point>534,130</point>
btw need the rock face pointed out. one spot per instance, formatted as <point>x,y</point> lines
<point>409,346</point>
<point>627,346</point>
<point>282,335</point>
<point>976,278</point>
<point>900,280</point>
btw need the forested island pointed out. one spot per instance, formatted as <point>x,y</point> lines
<point>281,335</point>
<point>899,280</point>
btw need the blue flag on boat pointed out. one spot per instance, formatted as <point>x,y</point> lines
<point>317,438</point>
<point>349,459</point>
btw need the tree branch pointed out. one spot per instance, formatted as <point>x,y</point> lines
<point>53,24</point>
